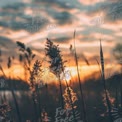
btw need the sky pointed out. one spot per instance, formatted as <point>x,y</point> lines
<point>32,21</point>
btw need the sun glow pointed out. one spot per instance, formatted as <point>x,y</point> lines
<point>15,72</point>
<point>70,73</point>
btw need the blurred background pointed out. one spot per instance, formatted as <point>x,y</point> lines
<point>31,22</point>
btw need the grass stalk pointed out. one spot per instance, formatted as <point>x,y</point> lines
<point>104,83</point>
<point>80,85</point>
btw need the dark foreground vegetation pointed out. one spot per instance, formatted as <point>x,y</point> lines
<point>93,100</point>
<point>49,98</point>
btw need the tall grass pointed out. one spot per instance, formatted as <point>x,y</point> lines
<point>1,68</point>
<point>71,95</point>
<point>34,85</point>
<point>26,56</point>
<point>56,64</point>
<point>57,67</point>
<point>70,98</point>
<point>79,80</point>
<point>104,83</point>
<point>9,64</point>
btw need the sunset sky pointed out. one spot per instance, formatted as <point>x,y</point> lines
<point>32,21</point>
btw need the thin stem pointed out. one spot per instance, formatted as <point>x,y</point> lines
<point>116,96</point>
<point>35,108</point>
<point>39,105</point>
<point>80,85</point>
<point>121,96</point>
<point>104,83</point>
<point>16,104</point>
<point>61,93</point>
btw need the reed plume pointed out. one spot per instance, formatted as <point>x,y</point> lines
<point>35,80</point>
<point>57,67</point>
<point>67,99</point>
<point>56,63</point>
<point>26,57</point>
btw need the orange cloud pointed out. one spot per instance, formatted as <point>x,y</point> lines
<point>90,2</point>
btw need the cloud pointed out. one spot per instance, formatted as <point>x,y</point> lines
<point>7,2</point>
<point>62,40</point>
<point>15,6</point>
<point>31,24</point>
<point>66,14</point>
<point>5,41</point>
<point>88,30</point>
<point>7,46</point>
<point>112,10</point>
<point>89,2</point>
<point>63,17</point>
<point>17,18</point>
<point>57,3</point>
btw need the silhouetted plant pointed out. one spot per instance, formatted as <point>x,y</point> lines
<point>1,68</point>
<point>35,80</point>
<point>26,57</point>
<point>4,112</point>
<point>9,64</point>
<point>67,99</point>
<point>45,117</point>
<point>104,82</point>
<point>79,81</point>
<point>57,67</point>
<point>56,63</point>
